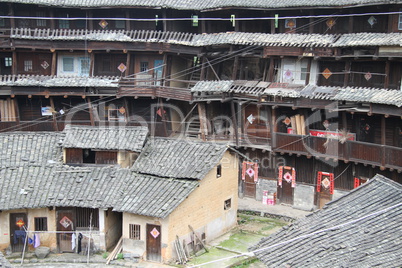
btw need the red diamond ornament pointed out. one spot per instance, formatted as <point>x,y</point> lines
<point>155,233</point>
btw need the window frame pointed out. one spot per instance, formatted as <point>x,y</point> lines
<point>227,204</point>
<point>8,61</point>
<point>63,63</point>
<point>400,20</point>
<point>40,223</point>
<point>134,231</point>
<point>28,65</point>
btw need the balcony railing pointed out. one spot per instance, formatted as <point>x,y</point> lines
<point>356,151</point>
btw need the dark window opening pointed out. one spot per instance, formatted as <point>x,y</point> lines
<point>228,204</point>
<point>219,171</point>
<point>135,231</point>
<point>40,223</point>
<point>87,217</point>
<point>88,156</point>
<point>144,66</point>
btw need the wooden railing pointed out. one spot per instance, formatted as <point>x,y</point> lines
<point>356,151</point>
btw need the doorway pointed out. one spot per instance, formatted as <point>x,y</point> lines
<point>154,242</point>
<point>17,231</point>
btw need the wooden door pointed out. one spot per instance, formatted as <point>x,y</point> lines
<point>284,188</point>
<point>154,242</point>
<point>65,223</point>
<point>17,232</point>
<point>249,186</point>
<point>324,188</point>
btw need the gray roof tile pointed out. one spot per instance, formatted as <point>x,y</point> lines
<point>353,94</point>
<point>360,229</point>
<point>176,158</point>
<point>105,138</point>
<point>55,81</point>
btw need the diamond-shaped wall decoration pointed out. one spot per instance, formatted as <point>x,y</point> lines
<point>326,73</point>
<point>288,74</point>
<point>122,67</point>
<point>155,233</point>
<point>372,21</point>
<point>368,76</point>
<point>45,65</point>
<point>331,22</point>
<point>325,182</point>
<point>103,24</point>
<point>250,172</point>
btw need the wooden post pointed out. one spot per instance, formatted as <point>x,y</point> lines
<point>350,27</point>
<point>273,23</point>
<point>311,23</point>
<point>202,114</point>
<point>274,127</point>
<point>128,59</point>
<point>91,64</point>
<point>52,21</point>
<point>203,67</point>
<point>271,70</point>
<point>11,14</point>
<point>54,61</point>
<point>308,71</point>
<point>234,122</point>
<point>91,114</point>
<point>235,67</point>
<point>203,24</point>
<point>14,66</point>
<point>128,22</point>
<point>90,22</point>
<point>387,68</point>
<point>347,69</point>
<point>55,127</point>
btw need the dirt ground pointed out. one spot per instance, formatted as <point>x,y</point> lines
<point>225,251</point>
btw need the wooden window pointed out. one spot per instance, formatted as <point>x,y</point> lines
<point>400,20</point>
<point>86,217</point>
<point>120,24</point>
<point>64,24</point>
<point>40,223</point>
<point>135,231</point>
<point>228,204</point>
<point>218,171</point>
<point>144,66</point>
<point>8,61</point>
<point>115,115</point>
<point>41,22</point>
<point>68,64</point>
<point>27,65</point>
<point>2,20</point>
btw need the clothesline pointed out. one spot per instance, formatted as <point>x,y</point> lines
<point>63,232</point>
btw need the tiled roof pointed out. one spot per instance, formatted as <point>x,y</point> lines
<point>105,138</point>
<point>29,149</point>
<point>201,40</point>
<point>202,5</point>
<point>95,187</point>
<point>32,176</point>
<point>368,39</point>
<point>176,158</point>
<point>255,88</point>
<point>55,81</point>
<point>360,229</point>
<point>370,95</point>
<point>153,196</point>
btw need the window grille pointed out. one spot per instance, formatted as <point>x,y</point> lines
<point>83,216</point>
<point>134,232</point>
<point>40,223</point>
<point>27,65</point>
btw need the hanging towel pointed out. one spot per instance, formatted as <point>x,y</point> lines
<point>73,237</point>
<point>79,242</point>
<point>36,240</point>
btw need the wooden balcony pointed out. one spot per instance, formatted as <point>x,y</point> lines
<point>355,151</point>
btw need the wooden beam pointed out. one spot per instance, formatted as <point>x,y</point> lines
<point>347,69</point>
<point>11,14</point>
<point>91,115</point>
<point>14,66</point>
<point>195,234</point>
<point>128,63</point>
<point>54,65</point>
<point>308,71</point>
<point>232,107</point>
<point>387,69</point>
<point>271,69</point>
<point>55,127</point>
<point>128,22</point>
<point>235,67</point>
<point>202,114</point>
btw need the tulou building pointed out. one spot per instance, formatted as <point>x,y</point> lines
<point>138,112</point>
